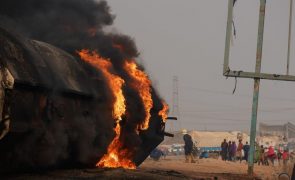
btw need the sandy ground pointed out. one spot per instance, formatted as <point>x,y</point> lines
<point>170,168</point>
<point>214,168</point>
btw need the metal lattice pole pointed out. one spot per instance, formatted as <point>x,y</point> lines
<point>175,103</point>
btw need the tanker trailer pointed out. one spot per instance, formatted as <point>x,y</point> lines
<point>55,111</point>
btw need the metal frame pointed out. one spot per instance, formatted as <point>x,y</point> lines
<point>241,74</point>
<point>257,75</point>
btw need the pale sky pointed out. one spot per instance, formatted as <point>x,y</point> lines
<point>186,38</point>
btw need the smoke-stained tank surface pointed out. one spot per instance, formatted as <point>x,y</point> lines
<point>56,111</point>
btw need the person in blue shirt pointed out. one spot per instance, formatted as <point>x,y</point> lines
<point>246,149</point>
<point>156,154</point>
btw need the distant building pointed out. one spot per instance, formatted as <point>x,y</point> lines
<point>287,130</point>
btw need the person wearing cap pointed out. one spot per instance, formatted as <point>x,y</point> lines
<point>188,147</point>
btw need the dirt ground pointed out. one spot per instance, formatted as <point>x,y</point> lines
<point>211,168</point>
<point>170,168</point>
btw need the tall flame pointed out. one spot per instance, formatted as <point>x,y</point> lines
<point>116,156</point>
<point>115,82</point>
<point>143,84</point>
<point>164,112</point>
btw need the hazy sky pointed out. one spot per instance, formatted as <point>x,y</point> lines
<point>186,38</point>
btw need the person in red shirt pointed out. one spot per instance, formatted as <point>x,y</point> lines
<point>271,154</point>
<point>285,157</point>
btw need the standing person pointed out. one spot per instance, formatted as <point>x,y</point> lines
<point>229,157</point>
<point>279,154</point>
<point>188,147</point>
<point>292,156</point>
<point>239,151</point>
<point>230,152</point>
<point>265,157</point>
<point>261,156</point>
<point>233,151</point>
<point>257,153</point>
<point>271,155</point>
<point>285,157</point>
<point>224,148</point>
<point>246,149</point>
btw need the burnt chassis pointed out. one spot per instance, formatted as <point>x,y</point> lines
<point>43,87</point>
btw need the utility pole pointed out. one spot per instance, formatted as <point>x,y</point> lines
<point>256,86</point>
<point>257,75</point>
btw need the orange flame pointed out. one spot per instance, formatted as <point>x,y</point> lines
<point>115,82</point>
<point>164,112</point>
<point>116,156</point>
<point>143,84</point>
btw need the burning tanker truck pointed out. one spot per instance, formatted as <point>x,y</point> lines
<point>90,106</point>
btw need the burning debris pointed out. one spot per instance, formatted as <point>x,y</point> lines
<point>73,110</point>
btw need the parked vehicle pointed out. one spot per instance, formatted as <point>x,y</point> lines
<point>177,149</point>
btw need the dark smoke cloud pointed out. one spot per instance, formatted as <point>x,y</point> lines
<point>46,18</point>
<point>74,25</point>
<point>68,24</point>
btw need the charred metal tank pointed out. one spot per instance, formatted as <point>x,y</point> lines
<point>52,115</point>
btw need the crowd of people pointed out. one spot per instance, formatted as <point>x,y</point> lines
<point>268,155</point>
<point>230,151</point>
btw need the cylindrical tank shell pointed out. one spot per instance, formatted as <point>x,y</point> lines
<point>57,114</point>
<point>54,110</point>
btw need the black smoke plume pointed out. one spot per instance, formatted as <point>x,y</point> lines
<point>74,25</point>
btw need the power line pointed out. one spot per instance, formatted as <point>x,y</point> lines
<point>210,91</point>
<point>238,111</point>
